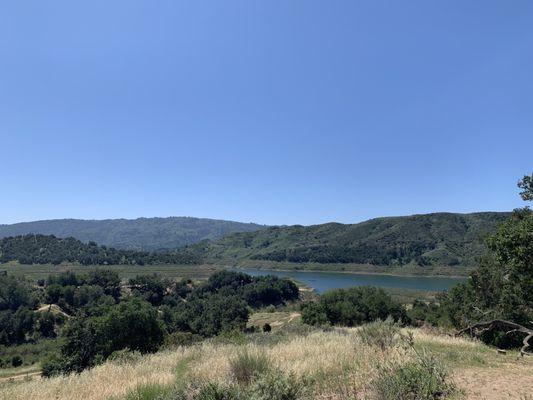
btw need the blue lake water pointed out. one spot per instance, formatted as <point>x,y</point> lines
<point>322,281</point>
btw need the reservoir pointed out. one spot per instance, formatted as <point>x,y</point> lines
<point>322,281</point>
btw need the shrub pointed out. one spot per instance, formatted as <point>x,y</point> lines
<point>274,385</point>
<point>246,367</point>
<point>125,356</point>
<point>16,361</point>
<point>424,378</point>
<point>351,307</point>
<point>148,392</point>
<point>382,334</point>
<point>212,391</point>
<point>178,339</point>
<point>52,366</point>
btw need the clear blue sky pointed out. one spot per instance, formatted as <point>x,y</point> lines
<point>274,111</point>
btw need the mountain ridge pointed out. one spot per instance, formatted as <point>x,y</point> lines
<point>144,233</point>
<point>446,239</point>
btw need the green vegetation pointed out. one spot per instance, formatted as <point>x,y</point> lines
<point>149,234</point>
<point>422,379</point>
<point>96,316</point>
<point>441,239</point>
<point>501,287</point>
<point>351,307</point>
<point>41,249</point>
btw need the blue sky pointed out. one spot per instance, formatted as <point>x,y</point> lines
<point>277,112</point>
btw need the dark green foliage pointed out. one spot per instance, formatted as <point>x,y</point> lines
<point>149,287</point>
<point>17,319</point>
<point>526,184</point>
<point>151,234</point>
<point>177,339</point>
<point>501,287</point>
<point>16,361</point>
<point>90,339</point>
<point>431,239</point>
<point>351,307</point>
<point>209,315</point>
<point>41,249</point>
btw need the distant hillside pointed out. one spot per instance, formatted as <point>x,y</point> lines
<point>136,234</point>
<point>443,239</point>
<point>47,249</point>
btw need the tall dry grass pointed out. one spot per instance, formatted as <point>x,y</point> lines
<point>337,363</point>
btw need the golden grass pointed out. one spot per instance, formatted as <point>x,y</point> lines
<point>100,383</point>
<point>336,362</point>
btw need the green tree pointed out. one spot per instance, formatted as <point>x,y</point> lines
<point>89,340</point>
<point>501,287</point>
<point>353,306</point>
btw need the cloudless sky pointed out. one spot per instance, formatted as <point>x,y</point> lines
<point>274,111</point>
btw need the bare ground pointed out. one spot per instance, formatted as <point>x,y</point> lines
<point>508,381</point>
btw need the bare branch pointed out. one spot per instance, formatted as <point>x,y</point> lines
<point>474,330</point>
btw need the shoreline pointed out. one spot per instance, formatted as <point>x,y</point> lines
<point>398,275</point>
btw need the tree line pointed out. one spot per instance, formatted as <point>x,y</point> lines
<point>48,249</point>
<point>99,316</point>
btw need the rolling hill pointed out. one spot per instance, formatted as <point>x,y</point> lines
<point>136,234</point>
<point>443,239</point>
<point>48,249</point>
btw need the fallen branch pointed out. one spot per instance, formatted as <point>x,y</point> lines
<point>480,327</point>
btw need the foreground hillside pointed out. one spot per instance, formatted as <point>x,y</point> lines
<point>133,234</point>
<point>334,364</point>
<point>441,239</point>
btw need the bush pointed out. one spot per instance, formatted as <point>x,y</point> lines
<point>16,361</point>
<point>246,367</point>
<point>178,339</point>
<point>421,379</point>
<point>148,392</point>
<point>351,307</point>
<point>125,356</point>
<point>52,366</point>
<point>382,334</point>
<point>274,385</point>
<point>212,391</point>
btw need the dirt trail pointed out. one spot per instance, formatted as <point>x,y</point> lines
<point>509,381</point>
<point>24,375</point>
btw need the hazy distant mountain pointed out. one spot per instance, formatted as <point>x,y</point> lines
<point>134,234</point>
<point>444,239</point>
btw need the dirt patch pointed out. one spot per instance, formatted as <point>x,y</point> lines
<point>508,381</point>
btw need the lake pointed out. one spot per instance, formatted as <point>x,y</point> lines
<point>322,281</point>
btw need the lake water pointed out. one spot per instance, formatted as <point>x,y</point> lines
<point>322,281</point>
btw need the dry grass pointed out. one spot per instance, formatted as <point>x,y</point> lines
<point>100,383</point>
<point>336,363</point>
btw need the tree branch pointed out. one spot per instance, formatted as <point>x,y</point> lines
<point>501,324</point>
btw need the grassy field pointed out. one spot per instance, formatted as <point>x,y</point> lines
<point>336,364</point>
<point>35,272</point>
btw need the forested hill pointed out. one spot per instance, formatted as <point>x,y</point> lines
<point>136,234</point>
<point>443,239</point>
<point>47,249</point>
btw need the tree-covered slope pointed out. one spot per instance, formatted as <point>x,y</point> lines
<point>136,234</point>
<point>48,249</point>
<point>430,239</point>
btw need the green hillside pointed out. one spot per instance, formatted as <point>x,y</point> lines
<point>135,234</point>
<point>47,249</point>
<point>443,239</point>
